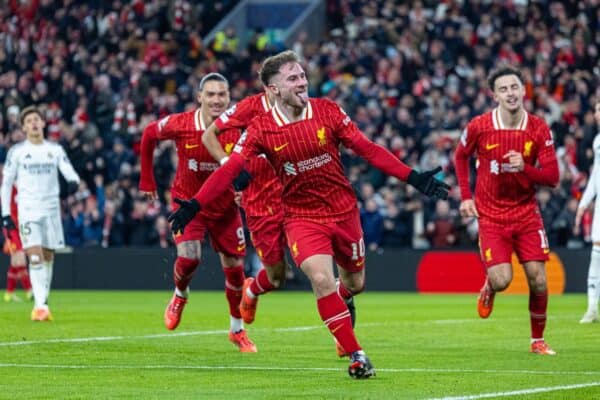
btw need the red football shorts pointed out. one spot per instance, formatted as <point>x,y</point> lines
<point>526,238</point>
<point>343,240</point>
<point>226,234</point>
<point>268,237</point>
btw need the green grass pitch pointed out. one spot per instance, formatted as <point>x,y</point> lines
<point>113,345</point>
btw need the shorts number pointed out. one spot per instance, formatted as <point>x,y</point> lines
<point>240,234</point>
<point>25,229</point>
<point>358,249</point>
<point>543,239</point>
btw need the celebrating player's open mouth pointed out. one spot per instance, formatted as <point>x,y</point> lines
<point>303,96</point>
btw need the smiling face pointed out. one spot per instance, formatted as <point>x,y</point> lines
<point>290,85</point>
<point>509,92</point>
<point>214,98</point>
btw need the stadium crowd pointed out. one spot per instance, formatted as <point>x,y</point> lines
<point>409,75</point>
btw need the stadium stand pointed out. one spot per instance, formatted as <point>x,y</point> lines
<point>410,76</point>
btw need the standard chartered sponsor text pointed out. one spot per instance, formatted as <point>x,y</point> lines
<point>315,162</point>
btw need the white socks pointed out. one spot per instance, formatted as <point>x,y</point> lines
<point>49,265</point>
<point>235,324</point>
<point>593,290</point>
<point>38,274</point>
<point>185,294</point>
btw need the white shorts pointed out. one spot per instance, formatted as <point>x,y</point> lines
<point>41,230</point>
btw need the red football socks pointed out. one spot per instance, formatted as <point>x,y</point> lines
<point>261,283</point>
<point>538,303</point>
<point>234,280</point>
<point>335,315</point>
<point>11,278</point>
<point>183,271</point>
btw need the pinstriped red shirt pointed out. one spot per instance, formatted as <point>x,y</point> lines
<point>503,194</point>
<point>263,195</point>
<point>194,165</point>
<point>306,159</point>
<point>305,156</point>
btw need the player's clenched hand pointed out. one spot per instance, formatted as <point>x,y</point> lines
<point>515,159</point>
<point>242,181</point>
<point>183,215</point>
<point>8,227</point>
<point>425,183</point>
<point>8,223</point>
<point>467,209</point>
<point>72,187</point>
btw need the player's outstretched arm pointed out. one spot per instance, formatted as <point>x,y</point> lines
<point>379,157</point>
<point>461,166</point>
<point>147,183</point>
<point>183,215</point>
<point>211,142</point>
<point>66,169</point>
<point>216,184</point>
<point>426,183</point>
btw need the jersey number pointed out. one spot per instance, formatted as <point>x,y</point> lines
<point>25,229</point>
<point>358,249</point>
<point>543,239</point>
<point>240,234</point>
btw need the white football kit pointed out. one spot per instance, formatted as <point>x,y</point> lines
<point>33,168</point>
<point>592,190</point>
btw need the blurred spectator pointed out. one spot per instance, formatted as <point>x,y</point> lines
<point>372,224</point>
<point>441,230</point>
<point>73,224</point>
<point>409,74</point>
<point>563,225</point>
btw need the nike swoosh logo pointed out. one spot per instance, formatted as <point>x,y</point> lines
<point>191,146</point>
<point>279,148</point>
<point>491,146</point>
<point>242,247</point>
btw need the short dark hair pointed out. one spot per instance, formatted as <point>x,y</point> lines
<point>213,76</point>
<point>29,110</point>
<point>503,71</point>
<point>270,67</point>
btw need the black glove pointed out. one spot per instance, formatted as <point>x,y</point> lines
<point>183,215</point>
<point>8,224</point>
<point>72,187</point>
<point>425,183</point>
<point>242,181</point>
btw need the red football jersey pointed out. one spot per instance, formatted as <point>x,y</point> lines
<point>503,194</point>
<point>305,156</point>
<point>263,195</point>
<point>195,164</point>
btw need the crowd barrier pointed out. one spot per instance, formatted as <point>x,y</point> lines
<point>432,271</point>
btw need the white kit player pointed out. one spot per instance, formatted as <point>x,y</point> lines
<point>32,166</point>
<point>592,191</point>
